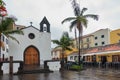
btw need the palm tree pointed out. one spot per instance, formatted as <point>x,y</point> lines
<point>79,21</point>
<point>4,28</point>
<point>65,42</point>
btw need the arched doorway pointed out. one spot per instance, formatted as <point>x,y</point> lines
<point>31,56</point>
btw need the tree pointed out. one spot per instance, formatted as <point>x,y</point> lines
<point>79,21</point>
<point>65,42</point>
<point>4,28</point>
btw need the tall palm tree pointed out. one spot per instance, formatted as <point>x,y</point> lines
<point>65,42</point>
<point>79,21</point>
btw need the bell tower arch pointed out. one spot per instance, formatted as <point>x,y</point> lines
<point>44,25</point>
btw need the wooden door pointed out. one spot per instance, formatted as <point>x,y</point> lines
<point>31,56</point>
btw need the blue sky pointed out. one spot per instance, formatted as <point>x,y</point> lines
<point>57,10</point>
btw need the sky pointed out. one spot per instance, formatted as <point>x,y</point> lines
<point>56,11</point>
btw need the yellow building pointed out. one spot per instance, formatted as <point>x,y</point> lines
<point>115,36</point>
<point>109,52</point>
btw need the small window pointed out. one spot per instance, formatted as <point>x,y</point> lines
<point>31,36</point>
<point>102,36</point>
<point>6,41</point>
<point>17,28</point>
<point>75,58</point>
<point>95,37</point>
<point>71,57</point>
<point>6,50</point>
<point>3,38</point>
<point>103,43</point>
<point>3,48</point>
<point>96,44</point>
<point>87,39</point>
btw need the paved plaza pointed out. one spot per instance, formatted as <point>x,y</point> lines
<point>87,74</point>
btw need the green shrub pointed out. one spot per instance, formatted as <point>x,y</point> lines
<point>76,67</point>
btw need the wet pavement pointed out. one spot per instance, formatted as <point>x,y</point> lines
<point>88,74</point>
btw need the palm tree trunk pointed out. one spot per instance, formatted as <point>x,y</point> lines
<point>80,29</point>
<point>0,46</point>
<point>79,49</point>
<point>76,39</point>
<point>62,61</point>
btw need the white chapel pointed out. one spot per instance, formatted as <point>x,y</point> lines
<point>34,46</point>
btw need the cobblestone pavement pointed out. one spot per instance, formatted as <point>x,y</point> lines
<point>88,74</point>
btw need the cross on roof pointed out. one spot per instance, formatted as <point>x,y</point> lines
<point>31,23</point>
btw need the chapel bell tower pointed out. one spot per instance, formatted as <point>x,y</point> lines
<point>44,25</point>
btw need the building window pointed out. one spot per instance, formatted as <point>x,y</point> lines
<point>87,39</point>
<point>103,43</point>
<point>31,36</point>
<point>6,41</point>
<point>17,28</point>
<point>71,57</point>
<point>6,50</point>
<point>95,37</point>
<point>88,45</point>
<point>96,44</point>
<point>102,36</point>
<point>3,38</point>
<point>75,58</point>
<point>88,58</point>
<point>115,58</point>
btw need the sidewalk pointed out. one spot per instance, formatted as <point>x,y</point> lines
<point>88,74</point>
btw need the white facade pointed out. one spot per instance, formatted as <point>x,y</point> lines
<point>42,42</point>
<point>101,37</point>
<point>73,57</point>
<point>56,54</point>
<point>54,66</point>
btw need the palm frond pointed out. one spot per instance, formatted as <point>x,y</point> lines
<point>56,42</point>
<point>68,19</point>
<point>5,24</point>
<point>95,17</point>
<point>13,38</point>
<point>84,22</point>
<point>14,32</point>
<point>73,24</point>
<point>83,10</point>
<point>70,49</point>
<point>57,47</point>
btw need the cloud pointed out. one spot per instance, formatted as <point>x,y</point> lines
<point>57,10</point>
